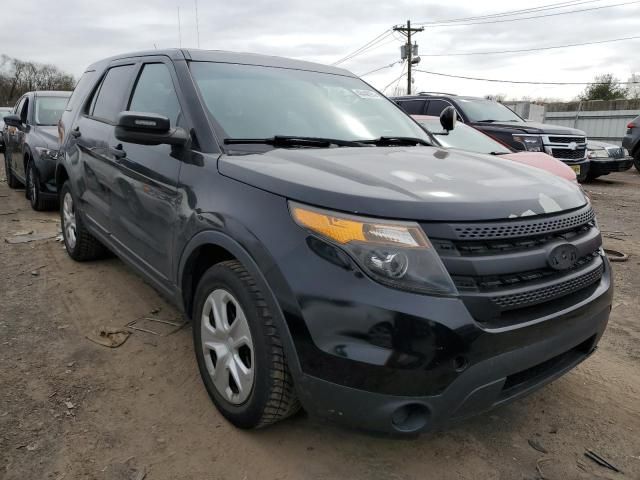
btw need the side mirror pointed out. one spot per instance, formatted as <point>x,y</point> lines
<point>148,129</point>
<point>448,118</point>
<point>13,121</point>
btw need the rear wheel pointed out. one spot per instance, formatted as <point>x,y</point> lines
<point>33,191</point>
<point>239,351</point>
<point>12,181</point>
<point>80,244</point>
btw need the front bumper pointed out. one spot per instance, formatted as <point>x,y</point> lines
<point>606,166</point>
<point>582,167</point>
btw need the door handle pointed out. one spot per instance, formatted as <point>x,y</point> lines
<point>118,152</point>
<point>75,133</point>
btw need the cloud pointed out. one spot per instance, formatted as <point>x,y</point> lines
<point>72,35</point>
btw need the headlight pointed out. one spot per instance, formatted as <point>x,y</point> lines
<point>47,153</point>
<point>625,152</point>
<point>397,254</point>
<point>530,143</point>
<point>599,153</point>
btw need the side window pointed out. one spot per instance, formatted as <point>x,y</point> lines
<point>413,107</point>
<point>81,86</point>
<point>108,100</point>
<point>154,93</point>
<point>436,107</point>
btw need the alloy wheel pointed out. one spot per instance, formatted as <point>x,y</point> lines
<point>32,187</point>
<point>227,346</point>
<point>69,220</point>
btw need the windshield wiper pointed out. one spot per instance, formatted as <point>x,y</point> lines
<point>387,141</point>
<point>499,153</point>
<point>293,141</point>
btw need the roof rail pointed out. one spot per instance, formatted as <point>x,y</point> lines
<point>437,93</point>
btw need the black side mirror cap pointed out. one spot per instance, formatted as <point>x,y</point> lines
<point>148,129</point>
<point>13,121</point>
<point>448,118</point>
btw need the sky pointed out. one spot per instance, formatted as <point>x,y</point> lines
<point>72,34</point>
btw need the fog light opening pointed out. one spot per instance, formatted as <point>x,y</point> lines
<point>460,363</point>
<point>412,417</point>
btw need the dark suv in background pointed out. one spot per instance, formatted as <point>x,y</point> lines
<point>631,141</point>
<point>31,145</point>
<point>327,254</point>
<point>566,144</point>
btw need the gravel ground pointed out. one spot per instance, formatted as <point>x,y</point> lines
<point>72,409</point>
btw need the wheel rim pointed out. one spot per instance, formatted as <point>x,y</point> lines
<point>227,346</point>
<point>33,191</point>
<point>69,220</point>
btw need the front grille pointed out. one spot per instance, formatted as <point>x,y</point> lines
<point>502,269</point>
<point>568,153</point>
<point>523,228</point>
<point>540,295</point>
<point>567,139</point>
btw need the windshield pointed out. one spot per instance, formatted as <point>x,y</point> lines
<point>249,101</point>
<point>479,110</point>
<point>49,109</point>
<point>464,137</point>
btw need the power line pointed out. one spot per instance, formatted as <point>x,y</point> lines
<point>552,6</point>
<point>366,46</point>
<point>402,74</point>
<point>518,81</point>
<point>535,49</point>
<point>530,17</point>
<point>380,68</point>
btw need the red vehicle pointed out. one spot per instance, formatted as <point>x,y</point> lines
<point>465,137</point>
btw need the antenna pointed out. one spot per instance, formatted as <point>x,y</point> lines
<point>179,29</point>
<point>197,24</point>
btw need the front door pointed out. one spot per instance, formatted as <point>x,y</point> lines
<point>145,195</point>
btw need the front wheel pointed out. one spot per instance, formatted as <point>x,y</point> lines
<point>239,351</point>
<point>12,181</point>
<point>80,244</point>
<point>636,160</point>
<point>33,192</point>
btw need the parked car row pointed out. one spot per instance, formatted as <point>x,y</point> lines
<point>30,139</point>
<point>568,145</point>
<point>330,252</point>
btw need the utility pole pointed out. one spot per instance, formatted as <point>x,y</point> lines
<point>179,28</point>
<point>197,24</point>
<point>409,51</point>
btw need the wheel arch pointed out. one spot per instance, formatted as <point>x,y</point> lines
<point>206,249</point>
<point>61,176</point>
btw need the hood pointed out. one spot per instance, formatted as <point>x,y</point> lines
<point>596,144</point>
<point>544,162</point>
<point>533,127</point>
<point>47,137</point>
<point>417,183</point>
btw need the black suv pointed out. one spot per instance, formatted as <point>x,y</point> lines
<point>566,144</point>
<point>327,255</point>
<point>31,145</point>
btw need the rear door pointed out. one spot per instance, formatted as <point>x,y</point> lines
<point>94,130</point>
<point>145,193</point>
<point>17,138</point>
<point>414,106</point>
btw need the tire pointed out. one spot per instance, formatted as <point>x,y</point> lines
<point>33,191</point>
<point>80,244</point>
<point>268,394</point>
<point>12,181</point>
<point>591,177</point>
<point>636,160</point>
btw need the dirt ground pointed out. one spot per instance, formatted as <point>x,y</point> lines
<point>72,409</point>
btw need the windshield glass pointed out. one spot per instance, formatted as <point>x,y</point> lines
<point>479,110</point>
<point>464,137</point>
<point>49,109</point>
<point>249,101</point>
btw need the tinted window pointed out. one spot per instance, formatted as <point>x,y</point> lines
<point>82,84</point>
<point>24,111</point>
<point>479,110</point>
<point>413,107</point>
<point>436,107</point>
<point>110,100</point>
<point>49,109</point>
<point>18,107</point>
<point>154,93</point>
<point>250,101</point>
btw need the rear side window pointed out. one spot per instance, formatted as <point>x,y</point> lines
<point>413,107</point>
<point>108,102</point>
<point>436,107</point>
<point>154,93</point>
